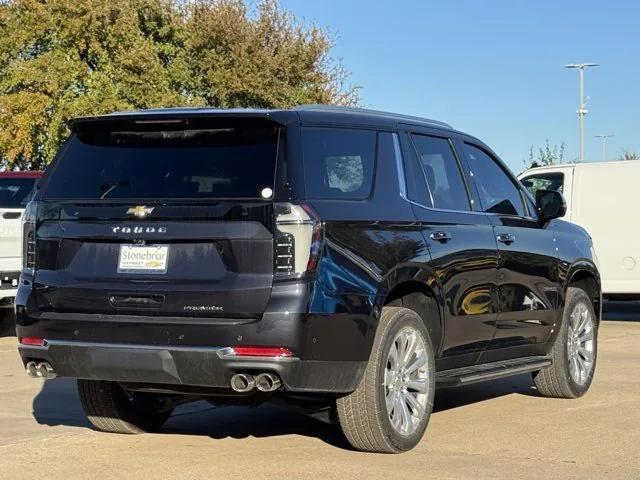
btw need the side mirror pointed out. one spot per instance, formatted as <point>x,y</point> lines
<point>550,204</point>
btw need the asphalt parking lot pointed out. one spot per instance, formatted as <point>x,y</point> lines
<point>498,430</point>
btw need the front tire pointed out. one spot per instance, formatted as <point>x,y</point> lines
<point>574,352</point>
<point>390,409</point>
<point>110,408</point>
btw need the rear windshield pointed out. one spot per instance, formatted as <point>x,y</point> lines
<point>16,192</point>
<point>151,162</point>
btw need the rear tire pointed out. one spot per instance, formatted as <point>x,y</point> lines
<point>364,414</point>
<point>558,381</point>
<point>110,408</point>
<point>7,322</point>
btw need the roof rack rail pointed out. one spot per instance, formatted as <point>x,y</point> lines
<point>339,108</point>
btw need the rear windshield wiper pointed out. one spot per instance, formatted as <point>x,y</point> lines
<point>109,187</point>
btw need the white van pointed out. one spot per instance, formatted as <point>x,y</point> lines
<point>602,197</point>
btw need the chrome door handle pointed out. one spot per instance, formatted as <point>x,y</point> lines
<point>506,238</point>
<point>440,236</point>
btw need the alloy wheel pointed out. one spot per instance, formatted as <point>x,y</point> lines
<point>406,381</point>
<point>580,344</point>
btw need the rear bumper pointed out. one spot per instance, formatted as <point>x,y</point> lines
<point>330,337</point>
<point>210,367</point>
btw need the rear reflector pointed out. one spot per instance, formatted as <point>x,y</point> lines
<point>262,352</point>
<point>32,341</point>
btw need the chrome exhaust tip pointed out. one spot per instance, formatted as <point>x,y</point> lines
<point>32,369</point>
<point>45,370</point>
<point>243,382</point>
<point>268,382</point>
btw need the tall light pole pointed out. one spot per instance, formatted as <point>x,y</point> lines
<point>582,108</point>
<point>604,144</point>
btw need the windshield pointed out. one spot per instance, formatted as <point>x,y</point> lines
<point>167,163</point>
<point>15,192</point>
<point>544,181</point>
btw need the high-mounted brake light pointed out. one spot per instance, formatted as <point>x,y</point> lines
<point>262,352</point>
<point>32,341</point>
<point>297,241</point>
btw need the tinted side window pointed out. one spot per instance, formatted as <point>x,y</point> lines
<point>441,172</point>
<point>498,193</point>
<point>339,163</point>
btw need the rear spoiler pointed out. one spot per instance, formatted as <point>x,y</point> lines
<point>196,116</point>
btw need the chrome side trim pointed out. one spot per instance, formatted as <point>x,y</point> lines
<point>466,212</point>
<point>402,184</point>
<point>402,179</point>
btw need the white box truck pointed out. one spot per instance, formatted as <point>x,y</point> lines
<point>602,197</point>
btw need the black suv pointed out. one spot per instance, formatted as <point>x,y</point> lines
<point>342,261</point>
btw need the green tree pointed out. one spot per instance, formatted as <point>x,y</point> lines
<point>61,59</point>
<point>546,155</point>
<point>265,59</point>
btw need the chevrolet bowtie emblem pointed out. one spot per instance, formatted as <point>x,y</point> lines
<point>140,211</point>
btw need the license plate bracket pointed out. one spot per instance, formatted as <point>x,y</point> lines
<point>143,259</point>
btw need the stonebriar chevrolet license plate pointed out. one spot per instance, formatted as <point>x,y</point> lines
<point>143,259</point>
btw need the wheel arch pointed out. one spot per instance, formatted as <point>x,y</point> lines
<point>584,275</point>
<point>416,288</point>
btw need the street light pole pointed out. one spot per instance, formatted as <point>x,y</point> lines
<point>604,144</point>
<point>582,106</point>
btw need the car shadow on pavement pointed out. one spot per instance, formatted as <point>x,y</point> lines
<point>450,398</point>
<point>7,323</point>
<point>58,404</point>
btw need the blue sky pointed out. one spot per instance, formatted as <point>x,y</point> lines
<point>494,68</point>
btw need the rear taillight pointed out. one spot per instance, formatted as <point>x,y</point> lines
<point>297,240</point>
<point>31,341</point>
<point>29,236</point>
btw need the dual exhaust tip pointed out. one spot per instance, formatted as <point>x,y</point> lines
<point>265,382</point>
<point>40,370</point>
<point>240,382</point>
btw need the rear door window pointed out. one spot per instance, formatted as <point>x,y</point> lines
<point>497,191</point>
<point>442,173</point>
<point>339,163</point>
<point>167,163</point>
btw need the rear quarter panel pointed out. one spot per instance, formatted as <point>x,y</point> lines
<point>369,246</point>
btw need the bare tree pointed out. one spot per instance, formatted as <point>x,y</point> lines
<point>546,155</point>
<point>629,155</point>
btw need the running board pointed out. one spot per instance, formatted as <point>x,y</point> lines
<point>489,371</point>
